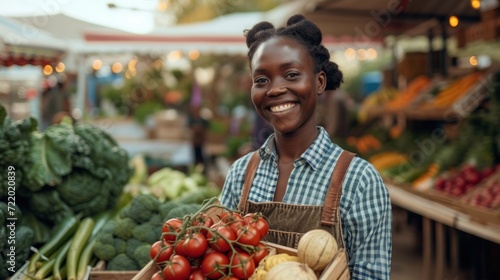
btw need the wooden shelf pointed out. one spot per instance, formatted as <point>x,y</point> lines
<point>460,109</point>
<point>443,214</point>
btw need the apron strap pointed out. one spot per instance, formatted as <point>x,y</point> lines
<point>328,217</point>
<point>249,175</point>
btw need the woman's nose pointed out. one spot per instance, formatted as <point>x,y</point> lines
<point>276,90</point>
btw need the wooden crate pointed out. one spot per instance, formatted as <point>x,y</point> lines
<point>336,270</point>
<point>98,272</point>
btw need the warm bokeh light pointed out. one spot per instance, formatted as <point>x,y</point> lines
<point>60,67</point>
<point>97,64</point>
<point>362,54</point>
<point>453,21</point>
<point>350,53</point>
<point>476,4</point>
<point>194,54</point>
<point>158,64</point>
<point>132,64</point>
<point>117,67</point>
<point>47,70</point>
<point>473,60</point>
<point>162,6</point>
<point>371,54</point>
<point>174,56</point>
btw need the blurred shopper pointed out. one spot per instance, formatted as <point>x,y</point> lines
<point>199,127</point>
<point>300,180</point>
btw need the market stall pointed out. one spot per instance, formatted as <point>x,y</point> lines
<point>431,130</point>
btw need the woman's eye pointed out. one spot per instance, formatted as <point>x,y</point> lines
<point>260,80</point>
<point>292,75</point>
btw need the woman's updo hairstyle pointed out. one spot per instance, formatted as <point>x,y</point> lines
<point>334,76</point>
<point>307,34</point>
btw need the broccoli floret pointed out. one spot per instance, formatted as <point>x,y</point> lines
<point>156,220</point>
<point>147,232</point>
<point>109,227</point>
<point>120,246</point>
<point>104,248</point>
<point>124,228</point>
<point>133,244</point>
<point>183,210</point>
<point>142,207</point>
<point>124,212</point>
<point>166,207</point>
<point>122,262</point>
<point>142,255</point>
<point>24,240</point>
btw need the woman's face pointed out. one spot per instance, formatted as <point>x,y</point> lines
<point>285,87</point>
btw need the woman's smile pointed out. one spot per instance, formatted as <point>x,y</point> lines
<point>282,107</point>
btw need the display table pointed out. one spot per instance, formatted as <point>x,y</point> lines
<point>439,216</point>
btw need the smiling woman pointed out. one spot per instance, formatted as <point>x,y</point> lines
<point>298,179</point>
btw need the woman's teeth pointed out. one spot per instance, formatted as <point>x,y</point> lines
<point>282,107</point>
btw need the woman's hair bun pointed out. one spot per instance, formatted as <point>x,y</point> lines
<point>294,19</point>
<point>252,34</point>
<point>334,76</point>
<point>305,29</point>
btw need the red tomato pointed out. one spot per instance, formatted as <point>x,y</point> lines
<point>230,278</point>
<point>233,220</point>
<point>195,245</point>
<point>261,252</point>
<point>157,276</point>
<point>258,221</point>
<point>214,265</point>
<point>203,220</point>
<point>248,235</point>
<point>197,275</point>
<point>242,265</point>
<point>216,241</point>
<point>179,248</point>
<point>162,251</point>
<point>226,215</point>
<point>170,229</point>
<point>177,269</point>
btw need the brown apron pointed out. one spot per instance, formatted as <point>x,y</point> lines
<point>288,222</point>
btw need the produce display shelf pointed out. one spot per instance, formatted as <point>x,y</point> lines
<point>443,214</point>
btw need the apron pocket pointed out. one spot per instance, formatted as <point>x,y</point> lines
<point>284,238</point>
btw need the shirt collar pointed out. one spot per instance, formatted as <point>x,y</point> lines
<point>320,148</point>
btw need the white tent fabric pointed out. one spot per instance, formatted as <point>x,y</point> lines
<point>15,34</point>
<point>110,32</point>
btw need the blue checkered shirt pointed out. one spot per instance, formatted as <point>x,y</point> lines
<point>365,205</point>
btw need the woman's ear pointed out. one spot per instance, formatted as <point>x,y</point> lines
<point>321,82</point>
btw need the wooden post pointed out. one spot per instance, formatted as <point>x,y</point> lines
<point>427,243</point>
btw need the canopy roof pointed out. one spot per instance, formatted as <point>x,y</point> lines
<point>376,18</point>
<point>75,27</point>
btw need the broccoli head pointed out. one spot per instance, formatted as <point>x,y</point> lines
<point>132,245</point>
<point>142,207</point>
<point>142,255</point>
<point>104,248</point>
<point>122,262</point>
<point>147,232</point>
<point>120,246</point>
<point>83,193</point>
<point>24,240</point>
<point>124,228</point>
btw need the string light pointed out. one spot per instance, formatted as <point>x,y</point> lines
<point>97,64</point>
<point>476,4</point>
<point>60,67</point>
<point>47,70</point>
<point>453,21</point>
<point>194,54</point>
<point>473,60</point>
<point>117,67</point>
